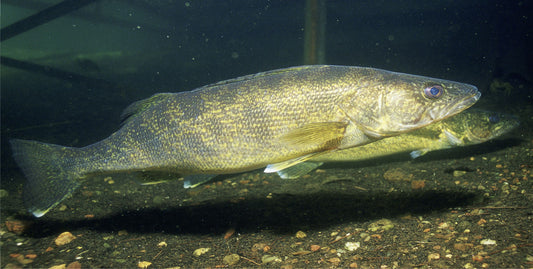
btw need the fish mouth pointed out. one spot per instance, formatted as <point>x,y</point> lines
<point>459,106</point>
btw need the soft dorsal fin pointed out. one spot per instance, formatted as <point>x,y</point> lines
<point>136,108</point>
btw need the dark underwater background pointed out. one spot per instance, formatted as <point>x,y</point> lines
<point>67,81</point>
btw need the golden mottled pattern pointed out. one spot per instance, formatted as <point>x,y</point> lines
<point>239,125</point>
<point>245,123</point>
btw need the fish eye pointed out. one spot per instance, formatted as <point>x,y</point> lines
<point>494,119</point>
<point>434,91</point>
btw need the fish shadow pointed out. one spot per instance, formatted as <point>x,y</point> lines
<point>283,213</point>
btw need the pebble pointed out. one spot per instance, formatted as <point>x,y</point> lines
<point>433,256</point>
<point>259,247</point>
<point>488,242</point>
<point>458,173</point>
<point>144,264</point>
<point>463,246</point>
<point>335,260</point>
<point>64,238</point>
<point>74,265</point>
<point>200,251</point>
<point>269,258</point>
<point>382,224</point>
<point>17,226</point>
<point>352,246</point>
<point>61,266</point>
<point>231,259</point>
<point>301,234</point>
<point>315,248</point>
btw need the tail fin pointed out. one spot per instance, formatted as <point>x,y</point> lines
<point>49,173</point>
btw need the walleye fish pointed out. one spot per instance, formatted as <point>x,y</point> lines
<point>275,119</point>
<point>470,127</point>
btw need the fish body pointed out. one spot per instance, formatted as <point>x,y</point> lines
<point>470,127</point>
<point>275,119</point>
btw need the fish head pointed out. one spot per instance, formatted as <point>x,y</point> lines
<point>397,103</point>
<point>476,126</point>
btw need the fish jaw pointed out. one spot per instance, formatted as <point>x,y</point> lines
<point>455,108</point>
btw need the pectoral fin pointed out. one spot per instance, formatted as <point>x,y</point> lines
<point>323,134</point>
<point>417,153</point>
<point>298,170</point>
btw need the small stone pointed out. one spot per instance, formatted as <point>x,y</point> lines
<point>488,242</point>
<point>352,246</point>
<point>300,235</point>
<point>200,251</point>
<point>315,248</point>
<point>477,258</point>
<point>335,260</point>
<point>334,233</point>
<point>64,238</point>
<point>61,266</point>
<point>468,266</point>
<point>74,265</point>
<point>458,173</point>
<point>231,259</point>
<point>17,226</point>
<point>259,247</point>
<point>433,256</point>
<point>144,264</point>
<point>443,225</point>
<point>353,265</point>
<point>463,246</point>
<point>269,258</point>
<point>382,224</point>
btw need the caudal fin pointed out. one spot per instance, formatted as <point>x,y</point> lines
<point>49,172</point>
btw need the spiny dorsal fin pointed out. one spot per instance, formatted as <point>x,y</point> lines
<point>136,108</point>
<point>260,75</point>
